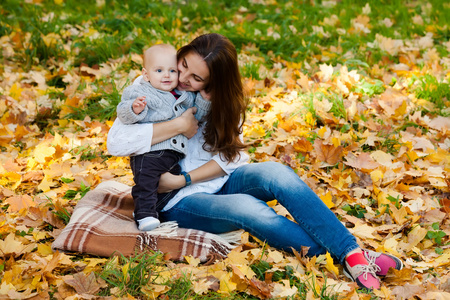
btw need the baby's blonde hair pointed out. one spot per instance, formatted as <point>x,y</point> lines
<point>158,47</point>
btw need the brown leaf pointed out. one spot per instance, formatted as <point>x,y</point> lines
<point>33,176</point>
<point>407,291</point>
<point>214,283</point>
<point>393,102</point>
<point>440,123</point>
<point>64,291</point>
<point>259,288</point>
<point>84,284</point>
<point>399,277</point>
<point>445,205</point>
<point>363,180</point>
<point>11,165</point>
<point>363,161</point>
<point>27,294</point>
<point>16,203</point>
<point>327,153</point>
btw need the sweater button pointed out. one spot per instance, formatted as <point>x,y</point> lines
<point>174,141</point>
<point>176,109</point>
<point>182,145</point>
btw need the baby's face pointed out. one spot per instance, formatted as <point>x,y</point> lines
<point>161,70</point>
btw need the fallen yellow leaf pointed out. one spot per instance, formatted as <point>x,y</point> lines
<point>12,247</point>
<point>327,199</point>
<point>44,249</point>
<point>330,265</point>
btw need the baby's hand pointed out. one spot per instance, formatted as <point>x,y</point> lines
<point>139,104</point>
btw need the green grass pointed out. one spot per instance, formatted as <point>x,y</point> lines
<point>437,92</point>
<point>101,105</point>
<point>89,34</point>
<point>148,21</point>
<point>59,211</point>
<point>127,275</point>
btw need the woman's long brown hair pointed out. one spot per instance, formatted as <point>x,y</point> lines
<point>228,103</point>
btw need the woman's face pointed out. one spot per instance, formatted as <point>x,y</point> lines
<point>193,73</point>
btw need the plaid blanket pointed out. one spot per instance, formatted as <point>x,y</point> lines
<point>102,224</point>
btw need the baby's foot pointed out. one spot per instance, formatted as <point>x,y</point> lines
<point>148,223</point>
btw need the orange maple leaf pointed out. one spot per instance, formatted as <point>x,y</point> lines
<point>303,146</point>
<point>445,205</point>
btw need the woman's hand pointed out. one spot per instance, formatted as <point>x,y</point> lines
<point>186,124</point>
<point>169,182</point>
<point>189,123</point>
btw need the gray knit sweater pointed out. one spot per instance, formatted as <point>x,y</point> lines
<point>161,106</point>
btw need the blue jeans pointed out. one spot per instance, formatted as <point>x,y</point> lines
<point>241,204</point>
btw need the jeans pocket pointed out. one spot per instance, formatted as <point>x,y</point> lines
<point>154,154</point>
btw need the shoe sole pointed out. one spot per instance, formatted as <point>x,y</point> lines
<point>346,273</point>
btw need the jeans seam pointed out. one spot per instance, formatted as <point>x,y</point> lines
<point>201,215</point>
<point>250,189</point>
<point>317,237</point>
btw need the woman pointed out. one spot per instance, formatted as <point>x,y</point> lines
<point>221,192</point>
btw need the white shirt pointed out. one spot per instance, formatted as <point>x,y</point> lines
<point>196,157</point>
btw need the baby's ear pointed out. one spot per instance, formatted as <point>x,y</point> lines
<point>145,74</point>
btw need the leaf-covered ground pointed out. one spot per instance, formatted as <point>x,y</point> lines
<point>352,95</point>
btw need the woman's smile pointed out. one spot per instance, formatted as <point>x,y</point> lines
<point>193,72</point>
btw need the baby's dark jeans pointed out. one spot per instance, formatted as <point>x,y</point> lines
<point>147,169</point>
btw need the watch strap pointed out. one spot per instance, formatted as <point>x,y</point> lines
<point>187,177</point>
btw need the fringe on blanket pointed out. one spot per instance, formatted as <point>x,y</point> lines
<point>219,245</point>
<point>232,238</point>
<point>167,229</point>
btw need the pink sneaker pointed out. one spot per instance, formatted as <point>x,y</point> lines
<point>382,261</point>
<point>359,270</point>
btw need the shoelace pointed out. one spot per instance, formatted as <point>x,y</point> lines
<point>364,270</point>
<point>371,259</point>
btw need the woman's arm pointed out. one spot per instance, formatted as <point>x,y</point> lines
<point>208,171</point>
<point>134,139</point>
<point>216,167</point>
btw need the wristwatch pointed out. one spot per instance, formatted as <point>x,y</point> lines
<point>187,177</point>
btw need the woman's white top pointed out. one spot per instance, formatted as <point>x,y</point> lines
<point>196,157</point>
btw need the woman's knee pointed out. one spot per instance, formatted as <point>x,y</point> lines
<point>249,209</point>
<point>276,175</point>
<point>267,170</point>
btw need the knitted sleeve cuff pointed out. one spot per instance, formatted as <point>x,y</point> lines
<point>125,108</point>
<point>203,107</point>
